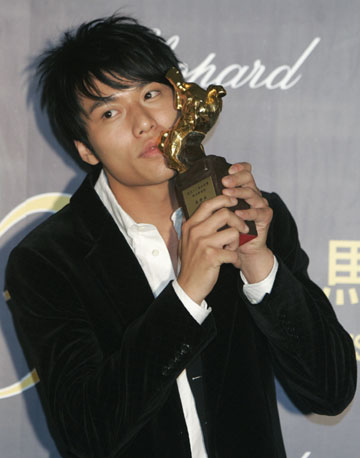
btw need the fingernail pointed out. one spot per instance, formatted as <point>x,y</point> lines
<point>232,169</point>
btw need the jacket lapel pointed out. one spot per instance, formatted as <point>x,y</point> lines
<point>108,255</point>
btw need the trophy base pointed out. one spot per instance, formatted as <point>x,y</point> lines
<point>202,182</point>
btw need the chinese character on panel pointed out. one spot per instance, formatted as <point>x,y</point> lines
<point>344,269</point>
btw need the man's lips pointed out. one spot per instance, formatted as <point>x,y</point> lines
<point>151,150</point>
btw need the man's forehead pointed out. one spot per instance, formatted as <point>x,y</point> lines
<point>99,89</point>
<point>96,89</point>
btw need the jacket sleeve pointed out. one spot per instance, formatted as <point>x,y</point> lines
<point>98,401</point>
<point>312,355</point>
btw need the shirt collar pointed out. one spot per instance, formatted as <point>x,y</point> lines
<point>126,224</point>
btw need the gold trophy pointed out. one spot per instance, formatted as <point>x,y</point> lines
<point>199,176</point>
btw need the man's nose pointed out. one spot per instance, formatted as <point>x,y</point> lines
<point>143,121</point>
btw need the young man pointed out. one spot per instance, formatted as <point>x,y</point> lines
<point>155,338</point>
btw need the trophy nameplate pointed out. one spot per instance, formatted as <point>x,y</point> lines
<point>199,176</point>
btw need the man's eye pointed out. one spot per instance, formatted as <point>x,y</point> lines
<point>151,94</point>
<point>109,114</point>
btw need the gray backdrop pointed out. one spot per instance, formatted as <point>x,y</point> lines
<point>291,69</point>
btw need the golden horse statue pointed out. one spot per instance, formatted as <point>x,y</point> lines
<point>198,111</point>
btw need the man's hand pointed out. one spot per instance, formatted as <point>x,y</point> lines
<point>255,259</point>
<point>203,248</point>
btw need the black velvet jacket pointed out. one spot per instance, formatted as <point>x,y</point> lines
<point>108,353</point>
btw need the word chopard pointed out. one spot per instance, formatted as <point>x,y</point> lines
<point>283,77</point>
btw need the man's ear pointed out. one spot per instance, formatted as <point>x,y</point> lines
<point>85,153</point>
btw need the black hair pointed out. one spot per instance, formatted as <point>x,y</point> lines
<point>115,51</point>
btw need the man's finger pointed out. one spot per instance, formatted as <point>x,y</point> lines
<point>207,208</point>
<point>239,166</point>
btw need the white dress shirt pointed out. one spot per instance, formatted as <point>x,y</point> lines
<point>154,258</point>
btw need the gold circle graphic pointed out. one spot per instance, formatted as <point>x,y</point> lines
<point>50,202</point>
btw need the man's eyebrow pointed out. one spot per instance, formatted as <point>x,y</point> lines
<point>102,101</point>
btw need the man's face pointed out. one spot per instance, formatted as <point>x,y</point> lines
<point>124,131</point>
